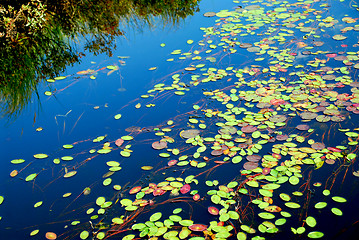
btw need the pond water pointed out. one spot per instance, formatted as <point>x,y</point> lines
<point>239,122</point>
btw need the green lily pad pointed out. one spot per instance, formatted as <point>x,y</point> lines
<point>337,211</point>
<point>310,221</point>
<point>292,205</point>
<point>31,177</point>
<point>84,235</point>
<point>339,37</point>
<point>40,155</point>
<point>266,215</point>
<point>155,217</point>
<point>339,199</point>
<point>320,205</point>
<point>17,161</point>
<point>315,234</point>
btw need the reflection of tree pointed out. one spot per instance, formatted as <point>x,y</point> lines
<point>34,36</point>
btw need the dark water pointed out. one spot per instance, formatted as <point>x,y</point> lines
<point>83,108</point>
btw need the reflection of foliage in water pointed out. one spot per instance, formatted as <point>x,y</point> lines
<point>34,37</point>
<point>23,66</point>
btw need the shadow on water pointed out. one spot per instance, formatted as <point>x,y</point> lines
<point>37,37</point>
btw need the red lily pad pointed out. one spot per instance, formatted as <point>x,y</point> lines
<point>213,210</point>
<point>302,127</point>
<point>50,235</point>
<point>185,188</point>
<point>330,161</point>
<point>249,129</point>
<point>159,145</point>
<point>198,227</point>
<point>135,190</point>
<point>217,152</point>
<point>119,142</point>
<point>172,162</point>
<point>243,145</point>
<point>277,102</point>
<point>331,55</point>
<point>318,146</point>
<point>149,190</point>
<point>282,137</point>
<point>334,149</point>
<point>158,192</point>
<point>253,158</point>
<point>190,133</point>
<point>266,171</point>
<point>196,197</point>
<point>250,165</point>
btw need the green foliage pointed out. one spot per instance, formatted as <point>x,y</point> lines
<point>36,35</point>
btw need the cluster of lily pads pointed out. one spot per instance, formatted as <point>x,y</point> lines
<point>270,126</point>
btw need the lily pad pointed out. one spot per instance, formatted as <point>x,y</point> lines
<point>191,133</point>
<point>315,234</point>
<point>339,37</point>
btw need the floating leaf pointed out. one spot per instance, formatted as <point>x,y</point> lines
<point>34,232</point>
<point>266,215</point>
<point>66,195</point>
<point>198,227</point>
<point>38,204</point>
<point>31,177</point>
<point>17,161</point>
<point>326,192</point>
<point>191,133</point>
<point>50,235</point>
<point>135,190</point>
<point>84,235</point>
<point>100,201</point>
<point>125,154</point>
<point>119,142</point>
<point>292,205</point>
<point>155,217</point>
<point>146,168</point>
<point>310,221</point>
<point>104,151</point>
<point>339,199</point>
<point>107,181</point>
<point>213,210</point>
<point>14,173</point>
<point>339,37</point>
<point>159,145</point>
<point>209,14</point>
<point>70,174</point>
<point>320,205</point>
<point>293,180</point>
<point>337,211</point>
<point>40,155</point>
<point>127,138</point>
<point>315,234</point>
